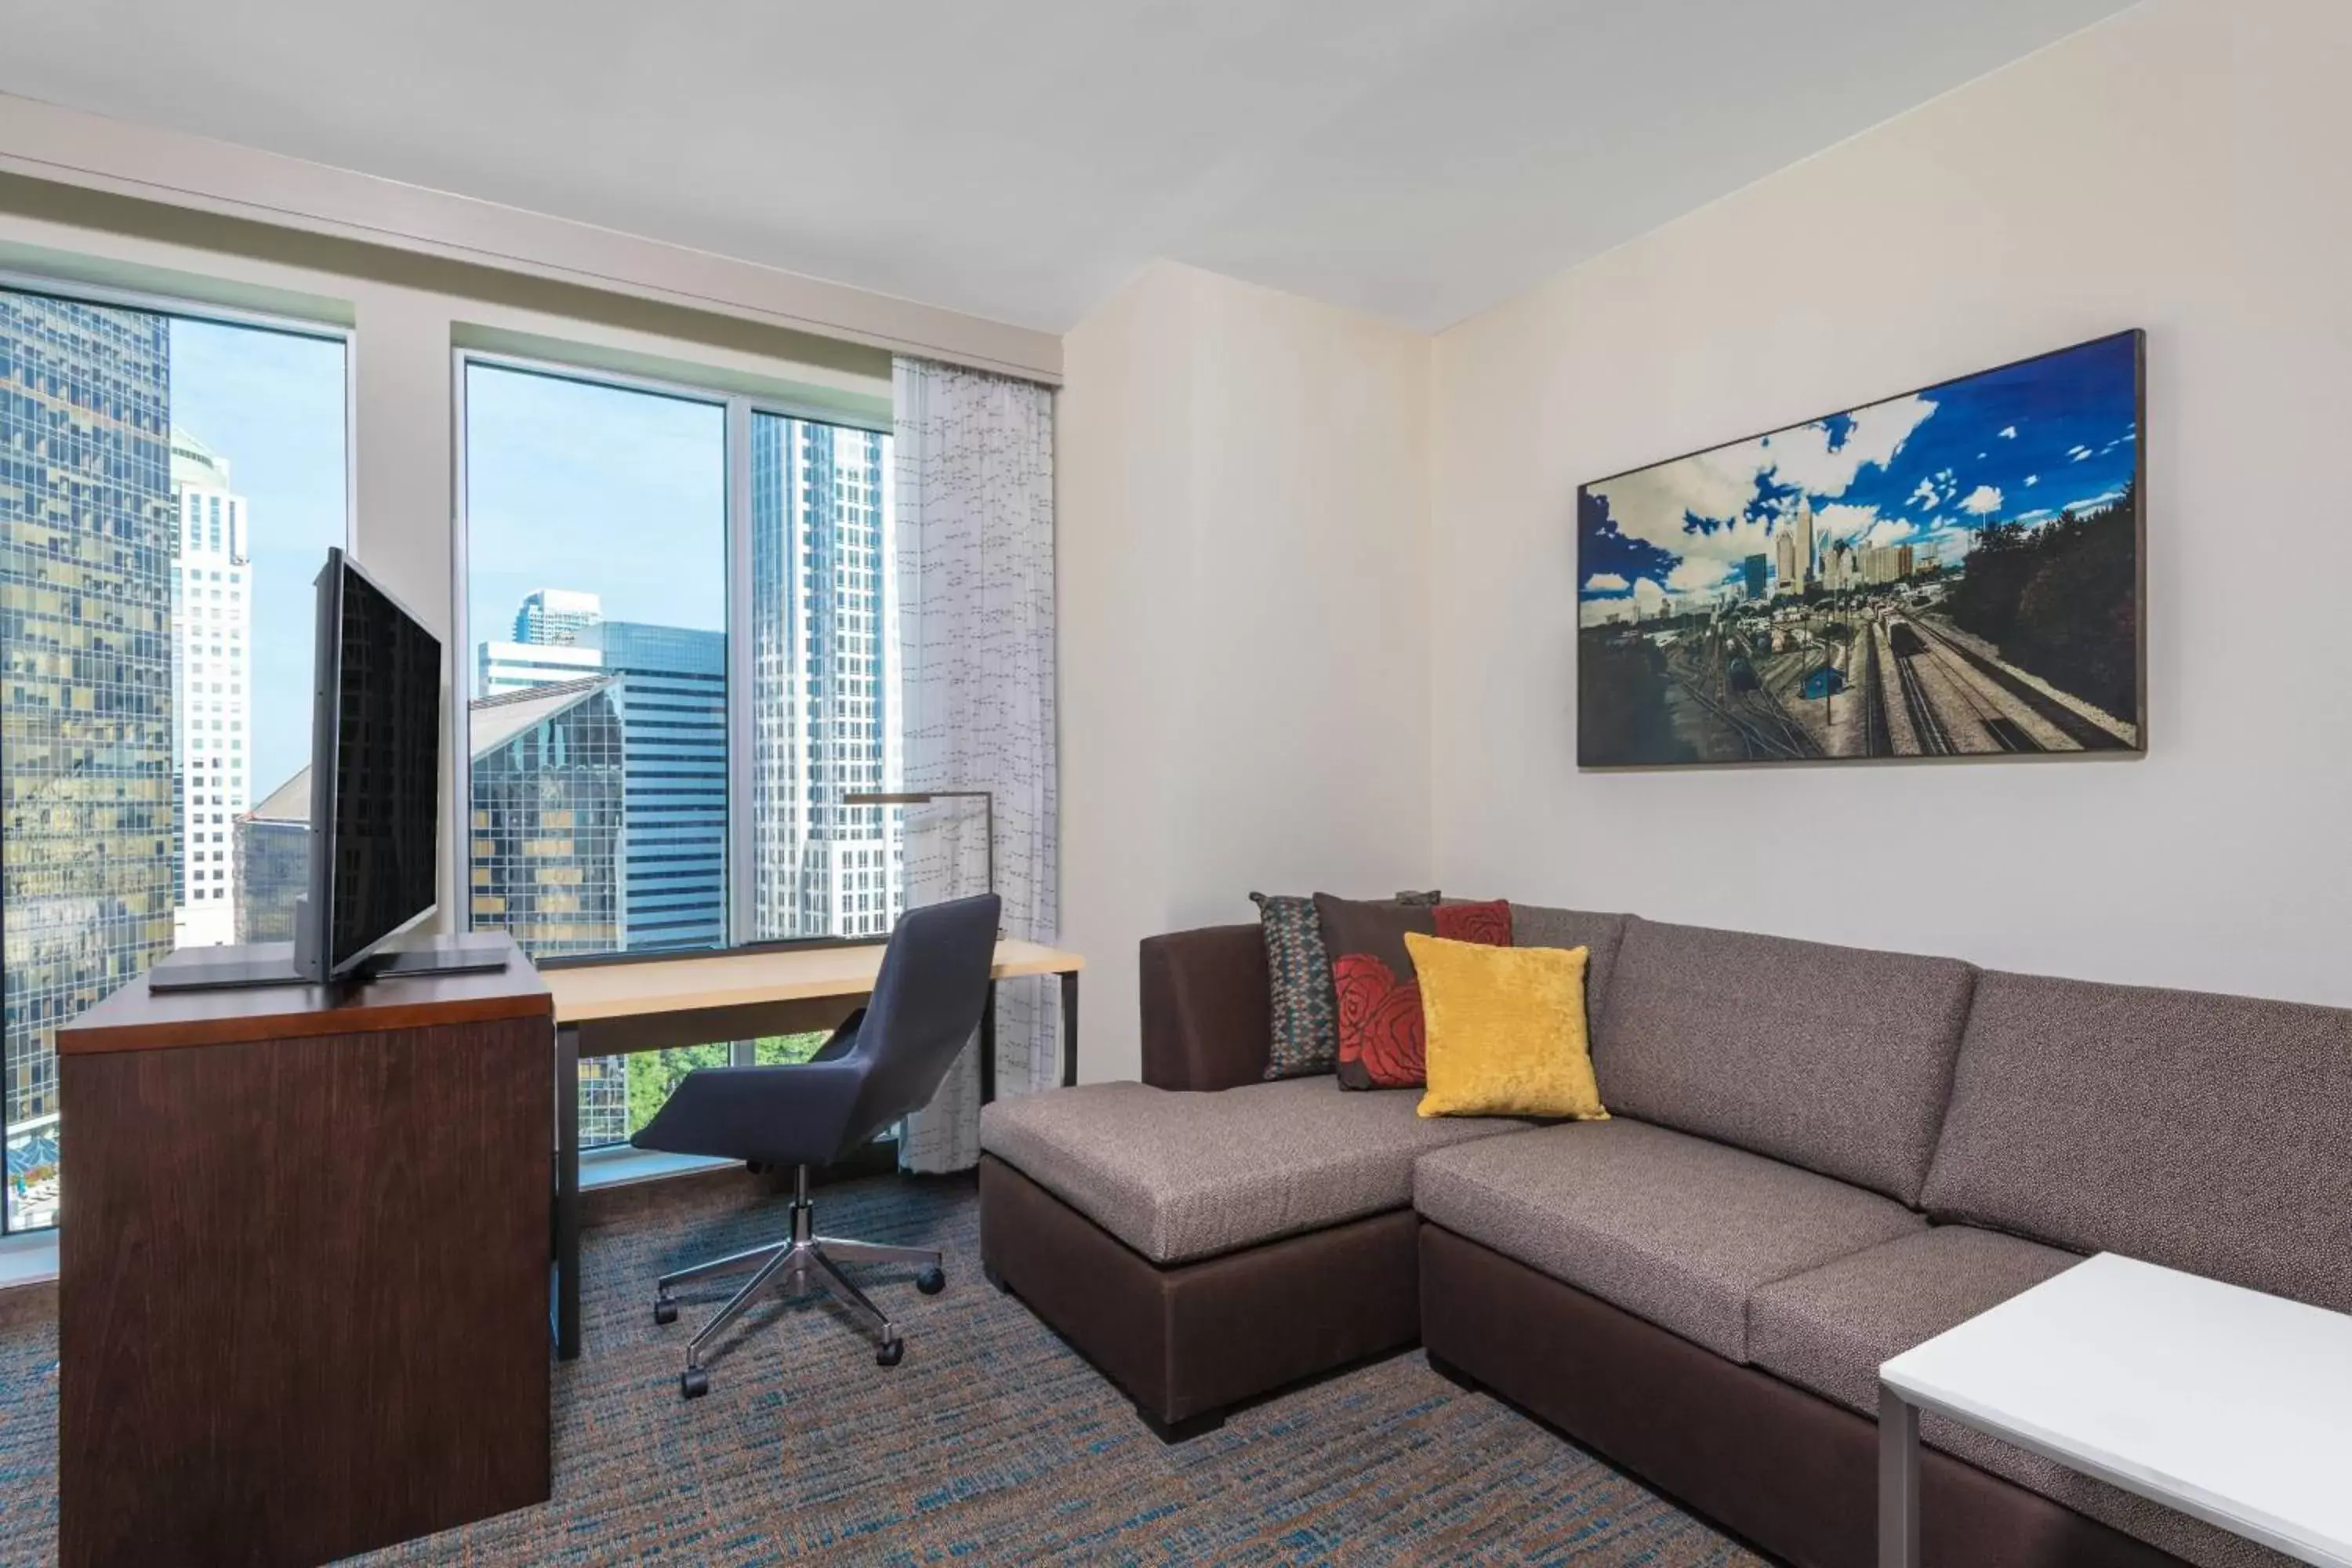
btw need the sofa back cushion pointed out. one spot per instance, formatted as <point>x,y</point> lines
<point>1535,925</point>
<point>1834,1059</point>
<point>2208,1133</point>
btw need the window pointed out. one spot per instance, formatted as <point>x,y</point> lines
<point>149,451</point>
<point>617,802</point>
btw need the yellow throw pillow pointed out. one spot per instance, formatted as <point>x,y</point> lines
<point>1507,1034</point>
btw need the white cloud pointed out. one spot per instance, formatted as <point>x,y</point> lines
<point>1606,583</point>
<point>2032,480</point>
<point>1803,456</point>
<point>2008,432</point>
<point>2078,453</point>
<point>1982,499</point>
<point>1891,530</point>
<point>1648,596</point>
<point>1925,494</point>
<point>1698,574</point>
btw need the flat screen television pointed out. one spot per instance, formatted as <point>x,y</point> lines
<point>376,797</point>
<point>375,775</point>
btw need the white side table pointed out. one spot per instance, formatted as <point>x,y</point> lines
<point>2222,1403</point>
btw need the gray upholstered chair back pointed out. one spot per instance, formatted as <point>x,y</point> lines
<point>927,1002</point>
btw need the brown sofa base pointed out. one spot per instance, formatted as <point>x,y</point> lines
<point>1187,1341</point>
<point>1785,1468</point>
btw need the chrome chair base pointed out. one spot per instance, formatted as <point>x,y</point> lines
<point>807,1259</point>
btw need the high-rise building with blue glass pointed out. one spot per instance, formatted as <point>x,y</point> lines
<point>670,686</point>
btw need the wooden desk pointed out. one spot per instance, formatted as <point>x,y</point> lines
<point>647,1002</point>
<point>303,1300</point>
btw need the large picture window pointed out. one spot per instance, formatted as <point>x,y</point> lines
<point>637,558</point>
<point>169,486</point>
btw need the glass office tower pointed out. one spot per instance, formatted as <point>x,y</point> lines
<point>670,686</point>
<point>87,528</point>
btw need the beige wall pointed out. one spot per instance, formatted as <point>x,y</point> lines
<point>1243,481</point>
<point>2179,168</point>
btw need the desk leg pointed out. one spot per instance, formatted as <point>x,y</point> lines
<point>988,1046</point>
<point>567,1193</point>
<point>1899,1482</point>
<point>1069,1029</point>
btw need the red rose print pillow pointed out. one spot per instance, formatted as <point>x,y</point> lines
<point>1372,980</point>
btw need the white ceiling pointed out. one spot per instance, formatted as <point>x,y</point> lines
<point>1020,159</point>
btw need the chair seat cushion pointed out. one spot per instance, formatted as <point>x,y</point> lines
<point>1181,1176</point>
<point>1670,1227</point>
<point>1829,1329</point>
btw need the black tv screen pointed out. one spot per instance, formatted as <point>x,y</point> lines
<point>376,750</point>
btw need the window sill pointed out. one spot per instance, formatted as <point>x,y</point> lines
<point>620,1165</point>
<point>29,1260</point>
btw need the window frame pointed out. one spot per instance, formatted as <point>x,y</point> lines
<point>75,291</point>
<point>741,408</point>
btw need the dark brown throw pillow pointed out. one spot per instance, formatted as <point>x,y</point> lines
<point>1298,974</point>
<point>1376,995</point>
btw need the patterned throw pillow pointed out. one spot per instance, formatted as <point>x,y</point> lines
<point>1299,974</point>
<point>1375,993</point>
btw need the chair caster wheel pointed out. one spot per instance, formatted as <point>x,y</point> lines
<point>664,1310</point>
<point>891,1352</point>
<point>931,1281</point>
<point>693,1383</point>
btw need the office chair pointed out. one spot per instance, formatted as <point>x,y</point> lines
<point>887,1060</point>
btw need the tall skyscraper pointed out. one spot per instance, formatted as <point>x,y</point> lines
<point>212,676</point>
<point>1752,573</point>
<point>86,811</point>
<point>556,616</point>
<point>823,636</point>
<point>669,684</point>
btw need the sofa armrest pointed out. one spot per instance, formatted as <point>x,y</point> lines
<point>1207,1021</point>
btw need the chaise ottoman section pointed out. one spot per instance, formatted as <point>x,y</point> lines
<point>1202,1249</point>
<point>1184,1176</point>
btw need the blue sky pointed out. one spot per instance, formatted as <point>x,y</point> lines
<point>2016,444</point>
<point>611,492</point>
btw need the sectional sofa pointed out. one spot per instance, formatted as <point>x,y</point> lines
<point>1819,1157</point>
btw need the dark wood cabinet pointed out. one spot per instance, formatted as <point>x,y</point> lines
<point>303,1297</point>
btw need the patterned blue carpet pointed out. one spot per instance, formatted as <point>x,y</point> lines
<point>992,1442</point>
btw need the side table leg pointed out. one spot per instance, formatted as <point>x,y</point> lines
<point>1069,1029</point>
<point>988,1046</point>
<point>1899,1482</point>
<point>567,1193</point>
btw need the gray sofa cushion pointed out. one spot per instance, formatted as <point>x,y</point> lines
<point>1829,1329</point>
<point>1180,1176</point>
<point>1670,1227</point>
<point>1834,1059</point>
<point>1533,925</point>
<point>2211,1134</point>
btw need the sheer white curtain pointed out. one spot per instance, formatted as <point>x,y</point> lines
<point>975,586</point>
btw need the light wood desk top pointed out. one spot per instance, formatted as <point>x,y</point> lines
<point>635,987</point>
